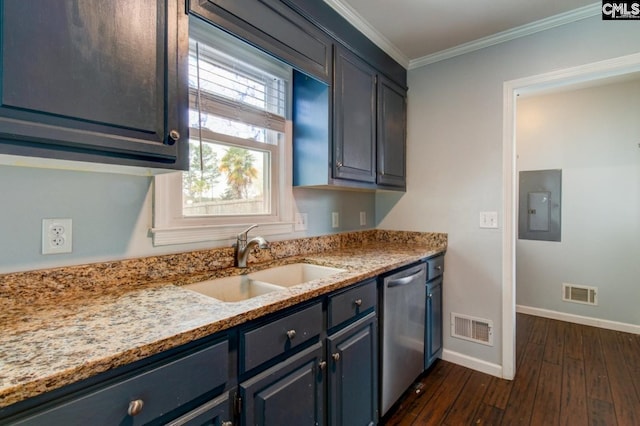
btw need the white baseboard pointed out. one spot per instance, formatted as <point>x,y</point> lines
<point>473,363</point>
<point>578,319</point>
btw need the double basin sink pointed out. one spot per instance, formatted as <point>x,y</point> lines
<point>238,288</point>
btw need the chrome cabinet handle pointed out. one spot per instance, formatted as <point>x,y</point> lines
<point>227,424</point>
<point>174,135</point>
<point>291,334</point>
<point>357,302</point>
<point>322,365</point>
<point>135,407</point>
<point>336,357</point>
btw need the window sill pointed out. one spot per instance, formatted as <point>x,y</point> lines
<point>197,234</point>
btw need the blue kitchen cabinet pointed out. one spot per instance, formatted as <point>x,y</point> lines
<point>352,372</point>
<point>354,120</point>
<point>274,27</point>
<point>366,148</point>
<point>216,412</point>
<point>433,314</point>
<point>95,81</point>
<point>182,390</point>
<point>352,356</point>
<point>289,393</point>
<point>392,134</point>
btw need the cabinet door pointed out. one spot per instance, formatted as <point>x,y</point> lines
<point>392,127</point>
<point>95,80</point>
<point>354,118</point>
<point>290,393</point>
<point>353,373</point>
<point>213,413</point>
<point>433,339</point>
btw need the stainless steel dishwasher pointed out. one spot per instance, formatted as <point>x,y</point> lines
<point>402,331</point>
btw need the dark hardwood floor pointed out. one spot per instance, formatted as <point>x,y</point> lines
<point>567,374</point>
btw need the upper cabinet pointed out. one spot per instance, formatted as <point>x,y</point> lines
<point>392,131</point>
<point>354,123</point>
<point>100,81</point>
<point>273,27</point>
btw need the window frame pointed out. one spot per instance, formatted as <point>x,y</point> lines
<point>170,226</point>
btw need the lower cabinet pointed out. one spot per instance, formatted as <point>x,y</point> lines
<point>353,374</point>
<point>314,364</point>
<point>156,395</point>
<point>289,393</point>
<point>433,314</point>
<point>213,413</point>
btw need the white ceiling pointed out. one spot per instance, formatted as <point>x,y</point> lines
<point>417,32</point>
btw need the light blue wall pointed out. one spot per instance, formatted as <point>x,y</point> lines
<point>454,151</point>
<point>112,215</point>
<point>591,134</point>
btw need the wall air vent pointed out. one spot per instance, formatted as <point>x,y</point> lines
<point>580,294</point>
<point>473,329</point>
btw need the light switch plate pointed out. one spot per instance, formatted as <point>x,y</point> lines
<point>335,220</point>
<point>302,220</point>
<point>363,218</point>
<point>489,220</point>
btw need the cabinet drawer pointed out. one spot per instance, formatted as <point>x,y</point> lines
<point>435,267</point>
<point>277,337</point>
<point>352,303</point>
<point>161,390</point>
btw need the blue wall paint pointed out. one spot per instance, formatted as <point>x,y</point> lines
<point>112,215</point>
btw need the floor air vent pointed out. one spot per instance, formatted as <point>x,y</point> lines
<point>579,294</point>
<point>474,329</point>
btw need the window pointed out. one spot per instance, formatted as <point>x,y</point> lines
<point>239,145</point>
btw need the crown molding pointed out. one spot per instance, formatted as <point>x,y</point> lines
<point>514,33</point>
<point>355,19</point>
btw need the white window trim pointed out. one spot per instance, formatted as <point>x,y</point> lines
<point>171,227</point>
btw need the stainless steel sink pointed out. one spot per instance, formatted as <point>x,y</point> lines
<point>243,287</point>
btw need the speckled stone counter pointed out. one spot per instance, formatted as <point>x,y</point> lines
<point>63,325</point>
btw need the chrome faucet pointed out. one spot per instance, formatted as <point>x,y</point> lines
<point>243,247</point>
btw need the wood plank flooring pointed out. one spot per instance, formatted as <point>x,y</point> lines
<point>567,374</point>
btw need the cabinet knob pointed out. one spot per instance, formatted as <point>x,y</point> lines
<point>227,423</point>
<point>339,164</point>
<point>291,334</point>
<point>135,407</point>
<point>439,268</point>
<point>174,135</point>
<point>357,302</point>
<point>322,365</point>
<point>430,295</point>
<point>336,357</point>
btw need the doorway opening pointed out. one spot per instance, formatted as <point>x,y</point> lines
<point>582,75</point>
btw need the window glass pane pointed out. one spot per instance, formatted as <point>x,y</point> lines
<point>234,181</point>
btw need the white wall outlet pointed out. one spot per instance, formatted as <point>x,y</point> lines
<point>301,222</point>
<point>363,218</point>
<point>57,236</point>
<point>488,219</point>
<point>335,220</point>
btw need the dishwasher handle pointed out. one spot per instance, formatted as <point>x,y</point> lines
<point>403,281</point>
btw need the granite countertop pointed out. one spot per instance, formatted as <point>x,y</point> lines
<point>46,346</point>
